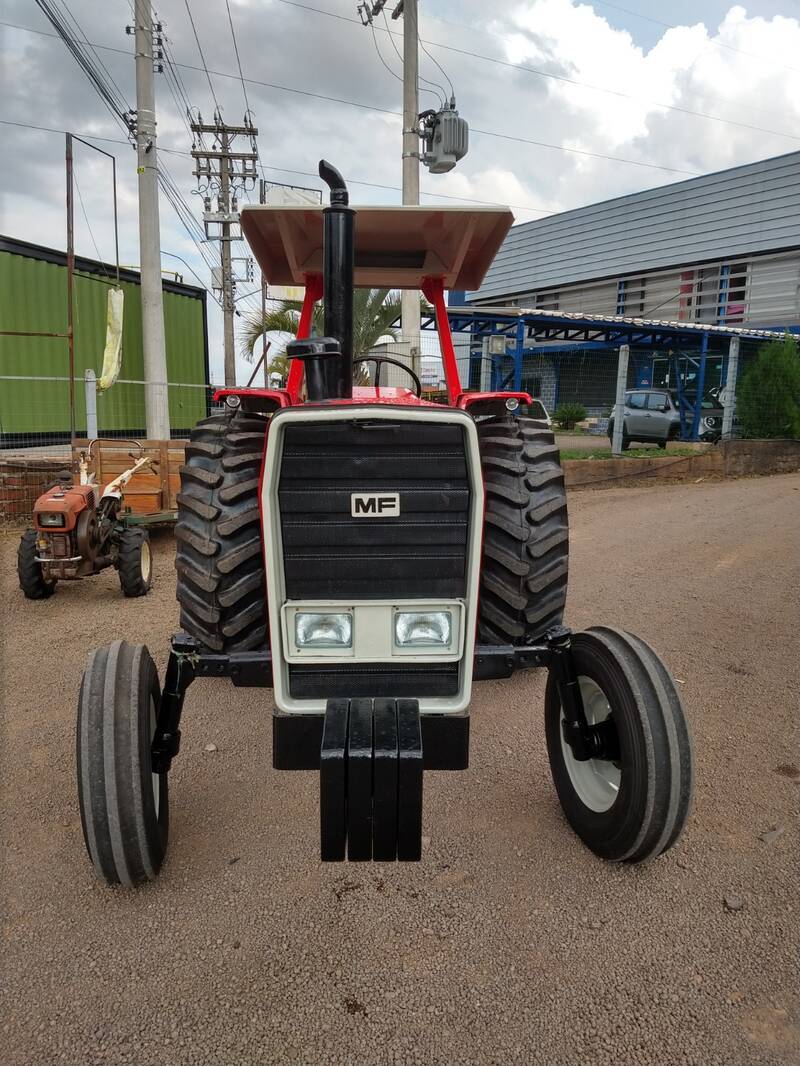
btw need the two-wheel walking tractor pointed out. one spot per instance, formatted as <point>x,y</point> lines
<point>79,530</point>
<point>369,555</point>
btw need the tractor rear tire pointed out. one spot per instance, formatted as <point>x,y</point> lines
<point>31,578</point>
<point>124,805</point>
<point>135,562</point>
<point>526,535</point>
<point>219,559</point>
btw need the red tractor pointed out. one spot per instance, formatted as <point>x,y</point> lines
<point>79,530</point>
<point>369,556</point>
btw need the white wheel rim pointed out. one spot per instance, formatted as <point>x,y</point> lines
<point>155,778</point>
<point>595,781</point>
<point>144,559</point>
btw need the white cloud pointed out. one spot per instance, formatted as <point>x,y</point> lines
<point>744,70</point>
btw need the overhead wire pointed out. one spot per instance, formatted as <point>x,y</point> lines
<point>549,74</point>
<point>438,90</point>
<point>202,57</point>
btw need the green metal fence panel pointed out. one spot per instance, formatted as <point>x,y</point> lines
<point>33,297</point>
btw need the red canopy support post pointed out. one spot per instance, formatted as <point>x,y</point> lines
<point>433,290</point>
<point>312,294</point>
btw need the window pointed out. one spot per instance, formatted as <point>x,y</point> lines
<point>656,401</point>
<point>637,400</point>
<point>547,301</point>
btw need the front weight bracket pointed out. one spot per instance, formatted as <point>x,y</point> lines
<point>371,781</point>
<point>575,727</point>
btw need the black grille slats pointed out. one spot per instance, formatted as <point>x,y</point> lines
<point>328,554</point>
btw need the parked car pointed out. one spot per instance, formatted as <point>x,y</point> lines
<point>652,416</point>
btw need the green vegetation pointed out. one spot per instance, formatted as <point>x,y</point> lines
<point>632,453</point>
<point>567,414</point>
<point>768,394</point>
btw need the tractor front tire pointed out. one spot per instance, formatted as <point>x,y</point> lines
<point>135,562</point>
<point>31,578</point>
<point>219,557</point>
<point>124,805</point>
<point>526,536</point>
<point>630,806</point>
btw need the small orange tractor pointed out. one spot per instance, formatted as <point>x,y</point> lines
<point>370,555</point>
<point>79,530</point>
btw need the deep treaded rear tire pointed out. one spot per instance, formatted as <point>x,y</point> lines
<point>31,578</point>
<point>219,556</point>
<point>526,536</point>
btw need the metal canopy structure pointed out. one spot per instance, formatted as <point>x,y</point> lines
<point>396,247</point>
<point>531,331</point>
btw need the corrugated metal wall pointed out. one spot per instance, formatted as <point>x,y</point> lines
<point>33,297</point>
<point>749,209</point>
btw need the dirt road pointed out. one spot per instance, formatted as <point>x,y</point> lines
<point>510,942</point>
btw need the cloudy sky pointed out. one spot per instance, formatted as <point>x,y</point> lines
<point>568,103</point>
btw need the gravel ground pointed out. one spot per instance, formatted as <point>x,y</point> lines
<point>510,942</point>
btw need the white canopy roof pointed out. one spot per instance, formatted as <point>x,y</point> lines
<point>396,247</point>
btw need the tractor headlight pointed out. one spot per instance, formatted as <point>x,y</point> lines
<point>323,630</point>
<point>50,518</point>
<point>425,629</point>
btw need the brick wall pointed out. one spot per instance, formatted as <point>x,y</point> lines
<point>22,482</point>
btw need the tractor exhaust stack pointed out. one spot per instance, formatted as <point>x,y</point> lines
<point>338,262</point>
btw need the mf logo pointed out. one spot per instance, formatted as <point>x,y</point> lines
<point>375,504</point>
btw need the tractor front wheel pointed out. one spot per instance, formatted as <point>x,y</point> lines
<point>632,804</point>
<point>31,576</point>
<point>135,562</point>
<point>124,805</point>
<point>525,536</point>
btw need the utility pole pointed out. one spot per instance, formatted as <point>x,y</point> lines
<point>409,300</point>
<point>219,171</point>
<point>156,395</point>
<point>227,274</point>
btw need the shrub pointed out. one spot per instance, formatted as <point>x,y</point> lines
<point>567,414</point>
<point>768,394</point>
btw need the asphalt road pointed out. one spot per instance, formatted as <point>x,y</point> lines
<point>509,942</point>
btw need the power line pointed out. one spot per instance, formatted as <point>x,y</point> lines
<point>550,74</point>
<point>438,90</point>
<point>421,44</point>
<point>485,133</point>
<point>202,57</point>
<point>299,173</point>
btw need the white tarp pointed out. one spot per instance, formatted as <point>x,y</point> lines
<point>112,354</point>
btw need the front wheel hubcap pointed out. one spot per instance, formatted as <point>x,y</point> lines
<point>595,781</point>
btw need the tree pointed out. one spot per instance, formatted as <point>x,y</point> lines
<point>768,394</point>
<point>374,311</point>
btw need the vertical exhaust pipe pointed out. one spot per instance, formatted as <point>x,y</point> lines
<point>338,261</point>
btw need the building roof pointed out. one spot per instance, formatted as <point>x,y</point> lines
<point>94,266</point>
<point>741,211</point>
<point>603,323</point>
<point>396,247</point>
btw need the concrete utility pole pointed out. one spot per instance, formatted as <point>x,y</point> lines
<point>409,305</point>
<point>219,168</point>
<point>156,395</point>
<point>228,307</point>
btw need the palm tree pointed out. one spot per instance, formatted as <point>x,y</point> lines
<point>374,311</point>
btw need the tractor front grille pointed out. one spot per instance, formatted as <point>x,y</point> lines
<point>329,554</point>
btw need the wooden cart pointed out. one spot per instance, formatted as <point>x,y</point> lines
<point>150,494</point>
